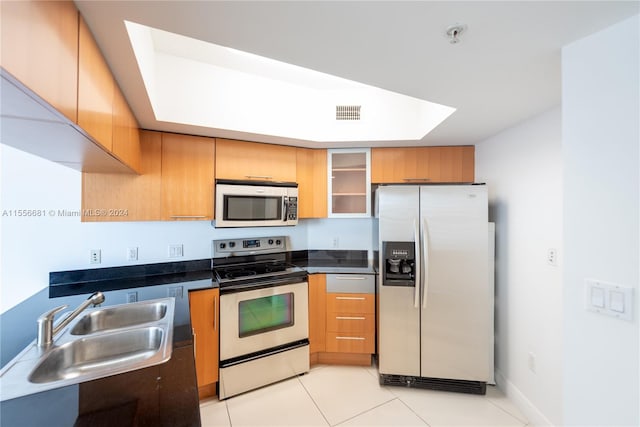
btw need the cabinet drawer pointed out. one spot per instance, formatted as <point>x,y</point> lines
<point>340,342</point>
<point>351,323</point>
<point>350,303</point>
<point>351,283</point>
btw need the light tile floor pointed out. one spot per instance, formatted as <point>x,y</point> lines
<point>351,396</point>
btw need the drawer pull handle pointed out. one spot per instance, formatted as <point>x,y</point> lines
<point>351,338</point>
<point>258,176</point>
<point>351,298</point>
<point>349,318</point>
<point>187,216</point>
<point>350,277</point>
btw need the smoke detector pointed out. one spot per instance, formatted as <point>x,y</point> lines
<point>454,32</point>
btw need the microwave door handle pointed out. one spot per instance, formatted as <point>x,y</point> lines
<point>285,208</point>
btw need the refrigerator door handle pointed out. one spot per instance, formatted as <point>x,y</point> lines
<point>425,258</point>
<point>416,235</point>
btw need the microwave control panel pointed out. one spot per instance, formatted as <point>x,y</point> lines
<point>292,208</point>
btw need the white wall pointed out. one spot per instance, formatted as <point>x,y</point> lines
<point>522,167</point>
<point>601,139</point>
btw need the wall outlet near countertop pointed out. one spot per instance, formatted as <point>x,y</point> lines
<point>132,296</point>
<point>132,254</point>
<point>176,251</point>
<point>95,256</point>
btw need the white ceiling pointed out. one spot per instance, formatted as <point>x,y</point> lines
<point>505,69</point>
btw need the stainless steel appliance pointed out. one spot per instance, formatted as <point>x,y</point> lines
<point>256,203</point>
<point>264,317</point>
<point>435,296</point>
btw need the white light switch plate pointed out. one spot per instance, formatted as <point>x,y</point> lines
<point>609,299</point>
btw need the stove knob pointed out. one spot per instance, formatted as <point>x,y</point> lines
<point>278,242</point>
<point>271,241</point>
<point>232,244</point>
<point>223,245</point>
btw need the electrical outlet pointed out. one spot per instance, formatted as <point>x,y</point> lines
<point>175,291</point>
<point>552,257</point>
<point>132,254</point>
<point>132,296</point>
<point>176,251</point>
<point>532,362</point>
<point>95,256</point>
<point>336,242</point>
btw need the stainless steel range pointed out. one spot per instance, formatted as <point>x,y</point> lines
<point>264,317</point>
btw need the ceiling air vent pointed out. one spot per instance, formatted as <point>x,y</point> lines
<point>348,112</point>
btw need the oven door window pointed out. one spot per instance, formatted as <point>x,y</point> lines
<point>252,208</point>
<point>265,314</point>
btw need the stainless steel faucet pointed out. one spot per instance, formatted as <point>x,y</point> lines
<point>46,330</point>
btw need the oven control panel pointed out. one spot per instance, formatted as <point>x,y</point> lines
<point>228,247</point>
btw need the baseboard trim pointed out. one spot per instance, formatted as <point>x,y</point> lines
<point>325,358</point>
<point>529,410</point>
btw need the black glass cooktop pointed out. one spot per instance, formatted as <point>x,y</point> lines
<point>255,271</point>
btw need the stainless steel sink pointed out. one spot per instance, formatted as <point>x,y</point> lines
<point>123,349</point>
<point>103,342</point>
<point>120,317</point>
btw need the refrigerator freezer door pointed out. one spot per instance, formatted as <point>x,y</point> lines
<point>455,321</point>
<point>399,318</point>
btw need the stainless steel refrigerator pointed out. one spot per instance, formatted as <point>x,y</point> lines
<point>435,293</point>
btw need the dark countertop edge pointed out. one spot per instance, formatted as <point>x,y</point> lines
<point>75,282</point>
<point>86,287</point>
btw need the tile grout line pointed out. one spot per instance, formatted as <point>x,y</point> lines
<point>524,423</point>
<point>312,399</point>
<point>368,410</point>
<point>411,409</point>
<point>226,406</point>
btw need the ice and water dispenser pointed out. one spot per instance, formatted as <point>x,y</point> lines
<point>399,264</point>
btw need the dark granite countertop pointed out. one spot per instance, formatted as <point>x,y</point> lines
<point>67,406</point>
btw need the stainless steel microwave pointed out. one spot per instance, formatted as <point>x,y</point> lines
<point>256,203</point>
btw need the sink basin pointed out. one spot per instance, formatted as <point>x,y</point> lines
<point>95,354</point>
<point>118,317</point>
<point>101,342</point>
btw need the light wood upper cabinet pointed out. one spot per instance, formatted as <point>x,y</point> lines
<point>317,312</point>
<point>95,90</point>
<point>187,177</point>
<point>312,182</point>
<point>127,197</point>
<point>40,48</point>
<point>204,308</point>
<point>126,135</point>
<point>422,164</point>
<point>251,160</point>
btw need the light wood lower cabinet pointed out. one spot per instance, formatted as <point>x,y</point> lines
<point>317,313</point>
<point>341,325</point>
<point>187,177</point>
<point>204,306</point>
<point>350,323</point>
